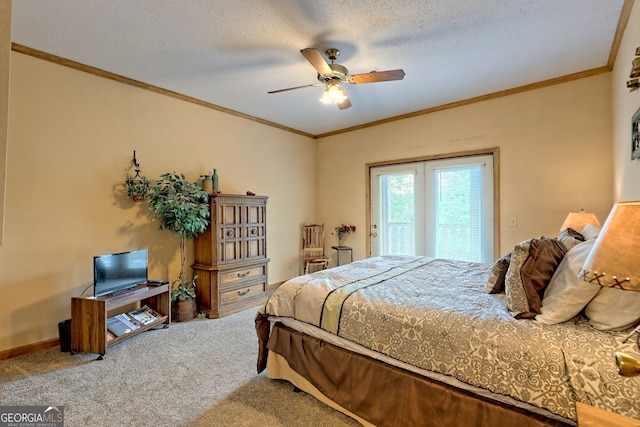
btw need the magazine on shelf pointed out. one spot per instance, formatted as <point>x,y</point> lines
<point>117,327</point>
<point>144,315</point>
<point>127,321</point>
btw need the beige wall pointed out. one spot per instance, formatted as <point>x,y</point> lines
<point>555,156</point>
<point>625,104</point>
<point>71,137</point>
<point>71,140</point>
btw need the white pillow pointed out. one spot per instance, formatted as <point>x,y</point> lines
<point>566,294</point>
<point>614,309</point>
<point>590,232</point>
<point>570,237</point>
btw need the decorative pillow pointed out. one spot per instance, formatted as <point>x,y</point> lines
<point>532,265</point>
<point>566,294</point>
<point>495,284</point>
<point>590,232</point>
<point>614,309</point>
<point>570,237</point>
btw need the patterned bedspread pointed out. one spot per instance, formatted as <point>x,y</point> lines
<point>436,315</point>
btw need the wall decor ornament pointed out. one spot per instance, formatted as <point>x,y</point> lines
<point>635,135</point>
<point>209,182</point>
<point>634,82</point>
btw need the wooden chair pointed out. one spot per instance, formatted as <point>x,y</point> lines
<point>313,248</point>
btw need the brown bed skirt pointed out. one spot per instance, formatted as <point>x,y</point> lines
<point>386,395</point>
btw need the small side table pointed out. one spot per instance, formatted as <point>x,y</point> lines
<point>340,249</point>
<point>588,416</point>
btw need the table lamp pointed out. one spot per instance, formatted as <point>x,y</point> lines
<point>614,261</point>
<point>579,220</point>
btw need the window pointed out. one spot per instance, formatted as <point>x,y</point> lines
<point>441,208</point>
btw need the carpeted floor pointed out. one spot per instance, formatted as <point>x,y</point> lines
<point>198,373</point>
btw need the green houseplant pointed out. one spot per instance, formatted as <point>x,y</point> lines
<point>183,208</point>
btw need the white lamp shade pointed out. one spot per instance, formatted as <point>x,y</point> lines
<point>614,260</point>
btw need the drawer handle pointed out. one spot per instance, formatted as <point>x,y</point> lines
<point>241,293</point>
<point>244,274</point>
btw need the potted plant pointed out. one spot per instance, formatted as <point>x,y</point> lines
<point>183,208</point>
<point>342,230</point>
<point>137,188</point>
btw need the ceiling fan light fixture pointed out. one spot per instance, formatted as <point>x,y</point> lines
<point>332,94</point>
<point>333,75</point>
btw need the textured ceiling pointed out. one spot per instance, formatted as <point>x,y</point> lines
<point>232,52</point>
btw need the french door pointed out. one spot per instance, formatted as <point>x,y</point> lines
<point>439,208</point>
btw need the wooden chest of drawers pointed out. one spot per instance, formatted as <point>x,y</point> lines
<point>231,256</point>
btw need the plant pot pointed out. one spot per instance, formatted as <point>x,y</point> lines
<point>183,311</point>
<point>138,197</point>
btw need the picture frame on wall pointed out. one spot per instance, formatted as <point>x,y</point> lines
<point>635,135</point>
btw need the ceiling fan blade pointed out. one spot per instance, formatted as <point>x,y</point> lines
<point>292,88</point>
<point>376,76</point>
<point>315,58</point>
<point>346,103</point>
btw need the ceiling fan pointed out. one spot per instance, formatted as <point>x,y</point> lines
<point>333,75</point>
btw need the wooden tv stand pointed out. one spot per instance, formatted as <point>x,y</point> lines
<point>89,315</point>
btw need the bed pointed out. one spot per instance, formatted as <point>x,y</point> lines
<point>408,340</point>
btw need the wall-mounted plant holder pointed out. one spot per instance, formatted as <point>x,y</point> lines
<point>137,186</point>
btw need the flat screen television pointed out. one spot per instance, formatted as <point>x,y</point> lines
<point>116,272</point>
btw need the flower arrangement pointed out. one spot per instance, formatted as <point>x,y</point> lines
<point>342,230</point>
